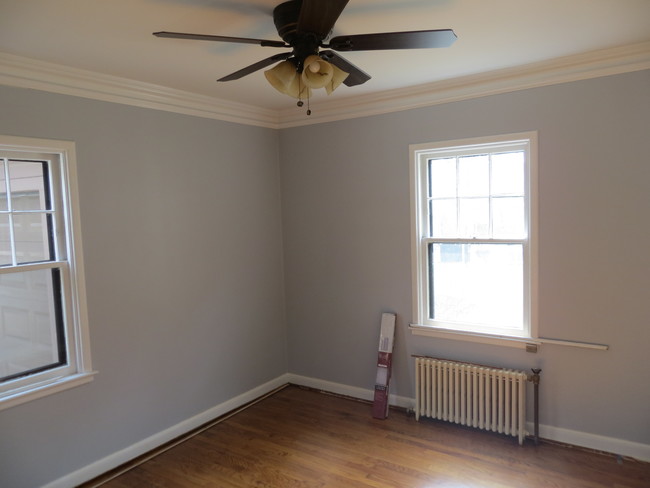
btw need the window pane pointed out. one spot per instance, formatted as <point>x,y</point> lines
<point>32,237</point>
<point>508,173</point>
<point>3,187</point>
<point>508,218</point>
<point>479,284</point>
<point>443,218</point>
<point>28,179</point>
<point>30,323</point>
<point>5,243</point>
<point>474,176</point>
<point>442,178</point>
<point>474,217</point>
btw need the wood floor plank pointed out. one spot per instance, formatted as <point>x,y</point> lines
<point>299,438</point>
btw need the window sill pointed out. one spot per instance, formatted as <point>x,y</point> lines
<point>46,388</point>
<point>516,342</point>
<point>496,340</point>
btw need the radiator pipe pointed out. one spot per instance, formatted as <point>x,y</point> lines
<point>535,379</point>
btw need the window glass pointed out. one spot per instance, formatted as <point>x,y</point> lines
<point>5,242</point>
<point>508,174</point>
<point>443,217</point>
<point>31,237</point>
<point>477,284</point>
<point>28,180</point>
<point>473,217</point>
<point>31,322</point>
<point>3,187</point>
<point>474,176</point>
<point>508,219</point>
<point>442,178</point>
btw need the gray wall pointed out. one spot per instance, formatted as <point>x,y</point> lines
<point>182,246</point>
<point>185,222</point>
<point>345,193</point>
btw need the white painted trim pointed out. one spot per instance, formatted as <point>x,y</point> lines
<point>28,73</point>
<point>131,452</point>
<point>39,75</point>
<point>347,390</point>
<point>48,387</point>
<point>459,335</point>
<point>497,340</point>
<point>594,64</point>
<point>612,445</point>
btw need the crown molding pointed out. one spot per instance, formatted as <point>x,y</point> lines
<point>39,75</point>
<point>594,64</point>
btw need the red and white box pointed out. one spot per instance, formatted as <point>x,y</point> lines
<point>384,363</point>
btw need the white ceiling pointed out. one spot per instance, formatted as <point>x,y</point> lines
<point>114,37</point>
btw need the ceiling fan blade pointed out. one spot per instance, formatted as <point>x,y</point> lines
<point>356,76</point>
<point>205,37</point>
<point>319,16</point>
<point>256,66</point>
<point>394,40</point>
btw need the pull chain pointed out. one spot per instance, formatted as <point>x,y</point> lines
<point>300,102</point>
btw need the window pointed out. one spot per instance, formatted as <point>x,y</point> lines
<point>43,325</point>
<point>474,236</point>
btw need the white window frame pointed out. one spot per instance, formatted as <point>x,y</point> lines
<point>69,260</point>
<point>420,154</point>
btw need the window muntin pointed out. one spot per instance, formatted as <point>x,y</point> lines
<point>43,329</point>
<point>472,235</point>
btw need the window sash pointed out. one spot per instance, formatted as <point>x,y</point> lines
<point>421,155</point>
<point>63,328</point>
<point>470,275</point>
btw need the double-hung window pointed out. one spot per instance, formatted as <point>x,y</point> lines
<point>43,325</point>
<point>473,209</point>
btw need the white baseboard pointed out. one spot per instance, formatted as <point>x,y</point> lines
<point>612,445</point>
<point>591,441</point>
<point>125,455</point>
<point>347,390</point>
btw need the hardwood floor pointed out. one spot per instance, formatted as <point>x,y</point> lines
<point>303,438</point>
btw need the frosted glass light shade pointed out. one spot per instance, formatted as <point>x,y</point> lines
<point>338,77</point>
<point>316,73</point>
<point>285,79</point>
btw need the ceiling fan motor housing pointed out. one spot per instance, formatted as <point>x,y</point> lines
<point>285,18</point>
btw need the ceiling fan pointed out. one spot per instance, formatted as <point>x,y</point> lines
<point>304,26</point>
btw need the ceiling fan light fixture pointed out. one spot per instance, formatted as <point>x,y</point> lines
<point>305,27</point>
